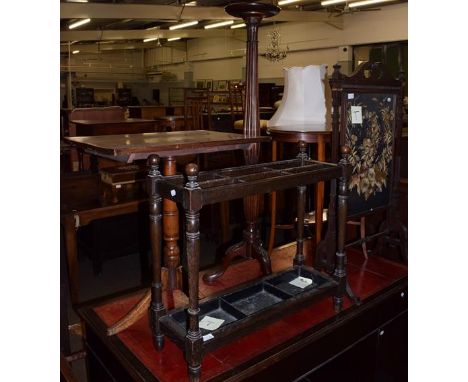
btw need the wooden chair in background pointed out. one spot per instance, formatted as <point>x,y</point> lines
<point>108,113</point>
<point>197,109</point>
<point>237,101</point>
<point>197,114</point>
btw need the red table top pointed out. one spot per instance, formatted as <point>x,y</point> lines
<point>365,277</point>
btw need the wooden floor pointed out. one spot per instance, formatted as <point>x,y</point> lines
<point>134,345</point>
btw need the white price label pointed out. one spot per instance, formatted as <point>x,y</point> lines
<point>350,95</point>
<point>173,193</point>
<point>208,337</point>
<point>301,282</point>
<point>210,323</point>
<point>356,114</point>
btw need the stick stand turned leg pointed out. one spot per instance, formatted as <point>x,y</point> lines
<point>301,191</point>
<point>156,307</point>
<point>193,339</point>
<point>340,265</point>
<point>251,246</point>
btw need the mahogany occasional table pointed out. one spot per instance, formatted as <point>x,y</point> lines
<point>168,145</point>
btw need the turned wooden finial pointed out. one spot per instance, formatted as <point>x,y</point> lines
<point>302,151</point>
<point>191,170</point>
<point>336,71</point>
<point>153,162</point>
<point>345,150</point>
<point>344,161</point>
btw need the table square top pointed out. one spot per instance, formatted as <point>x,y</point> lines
<point>130,147</point>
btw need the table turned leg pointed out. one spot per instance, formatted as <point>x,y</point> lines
<point>172,270</point>
<point>193,338</point>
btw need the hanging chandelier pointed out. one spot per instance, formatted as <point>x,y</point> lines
<point>273,52</point>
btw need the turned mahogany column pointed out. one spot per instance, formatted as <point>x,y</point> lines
<point>252,14</point>
<point>172,270</point>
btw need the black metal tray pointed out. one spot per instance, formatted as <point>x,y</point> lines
<point>251,305</point>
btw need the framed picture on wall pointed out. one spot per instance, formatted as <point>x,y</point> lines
<point>215,85</point>
<point>222,85</point>
<point>200,84</point>
<point>209,84</point>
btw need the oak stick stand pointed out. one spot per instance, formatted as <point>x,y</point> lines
<point>251,305</point>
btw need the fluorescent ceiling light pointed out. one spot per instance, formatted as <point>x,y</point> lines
<point>173,38</point>
<point>284,2</point>
<point>367,2</point>
<point>79,23</point>
<point>331,2</point>
<point>241,25</point>
<point>150,39</point>
<point>191,4</point>
<point>183,25</point>
<point>77,1</point>
<point>75,52</point>
<point>151,28</point>
<point>220,24</point>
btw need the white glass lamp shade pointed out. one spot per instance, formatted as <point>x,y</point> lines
<point>303,105</point>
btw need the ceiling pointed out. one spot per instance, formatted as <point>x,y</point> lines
<point>123,24</point>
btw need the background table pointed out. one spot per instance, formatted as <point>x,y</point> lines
<point>86,127</point>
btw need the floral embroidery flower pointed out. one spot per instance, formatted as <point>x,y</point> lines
<point>371,145</point>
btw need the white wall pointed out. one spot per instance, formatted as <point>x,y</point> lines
<point>223,57</point>
<point>308,42</point>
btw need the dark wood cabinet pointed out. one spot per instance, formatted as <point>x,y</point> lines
<point>84,97</point>
<point>124,97</point>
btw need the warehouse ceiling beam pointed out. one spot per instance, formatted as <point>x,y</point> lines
<point>169,12</point>
<point>97,35</point>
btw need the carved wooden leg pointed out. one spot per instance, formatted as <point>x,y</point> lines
<point>153,298</point>
<point>157,309</point>
<point>132,316</point>
<point>299,257</point>
<point>340,264</point>
<point>236,250</point>
<point>172,271</point>
<point>193,338</point>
